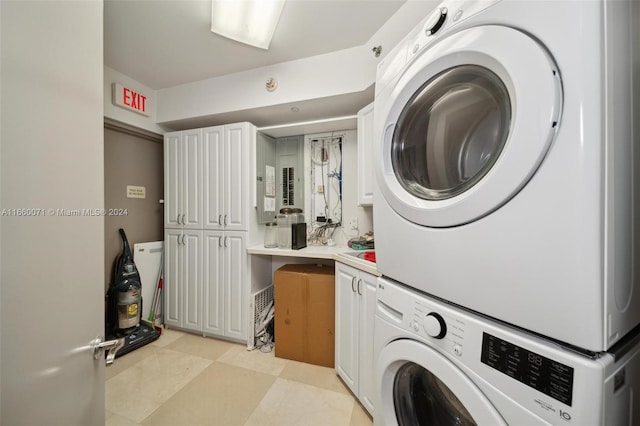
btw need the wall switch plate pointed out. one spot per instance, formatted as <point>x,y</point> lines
<point>320,189</point>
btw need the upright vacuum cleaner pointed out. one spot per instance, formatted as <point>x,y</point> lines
<point>124,304</point>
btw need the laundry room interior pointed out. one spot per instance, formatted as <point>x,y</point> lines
<point>399,212</point>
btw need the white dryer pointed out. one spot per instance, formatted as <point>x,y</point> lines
<point>438,364</point>
<point>507,144</point>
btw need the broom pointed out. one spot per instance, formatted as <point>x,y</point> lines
<point>155,304</point>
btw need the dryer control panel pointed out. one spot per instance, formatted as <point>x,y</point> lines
<point>444,16</point>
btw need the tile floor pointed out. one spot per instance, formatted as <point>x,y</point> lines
<point>188,380</point>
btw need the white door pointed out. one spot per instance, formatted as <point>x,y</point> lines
<point>236,155</point>
<point>192,280</point>
<point>419,386</point>
<point>365,156</point>
<point>172,282</point>
<point>213,178</point>
<point>212,283</point>
<point>366,288</point>
<point>172,180</point>
<point>235,285</point>
<point>52,265</point>
<point>192,179</point>
<point>467,125</point>
<point>347,325</point>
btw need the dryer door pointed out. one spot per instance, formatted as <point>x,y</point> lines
<point>467,125</point>
<point>421,387</point>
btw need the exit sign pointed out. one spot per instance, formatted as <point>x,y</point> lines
<point>130,99</point>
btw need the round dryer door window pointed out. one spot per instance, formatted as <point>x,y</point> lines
<point>451,132</point>
<point>470,121</point>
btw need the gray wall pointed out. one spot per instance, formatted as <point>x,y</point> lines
<point>131,160</point>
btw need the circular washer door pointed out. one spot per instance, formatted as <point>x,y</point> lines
<point>421,387</point>
<point>469,122</point>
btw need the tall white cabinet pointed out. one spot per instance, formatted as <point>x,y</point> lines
<point>208,199</point>
<point>355,315</point>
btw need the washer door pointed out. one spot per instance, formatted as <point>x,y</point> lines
<point>421,387</point>
<point>470,121</point>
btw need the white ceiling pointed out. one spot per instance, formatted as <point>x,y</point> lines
<point>164,43</point>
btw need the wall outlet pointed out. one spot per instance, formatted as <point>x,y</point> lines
<point>320,189</point>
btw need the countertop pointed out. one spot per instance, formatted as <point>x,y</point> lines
<point>337,253</point>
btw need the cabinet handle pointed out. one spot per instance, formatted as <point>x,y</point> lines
<point>219,219</point>
<point>359,282</point>
<point>184,239</point>
<point>226,240</point>
<point>353,284</point>
<point>225,220</point>
<point>183,219</point>
<point>220,242</point>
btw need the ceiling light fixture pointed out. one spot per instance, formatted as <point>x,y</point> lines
<point>251,22</point>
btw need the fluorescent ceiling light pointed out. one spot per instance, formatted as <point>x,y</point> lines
<point>247,21</point>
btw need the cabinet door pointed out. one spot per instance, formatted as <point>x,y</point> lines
<point>171,285</point>
<point>367,285</point>
<point>172,181</point>
<point>212,283</point>
<point>192,280</point>
<point>236,194</point>
<point>365,156</point>
<point>213,178</point>
<point>347,327</point>
<point>192,179</point>
<point>235,283</point>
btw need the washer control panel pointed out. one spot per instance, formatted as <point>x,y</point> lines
<point>445,331</point>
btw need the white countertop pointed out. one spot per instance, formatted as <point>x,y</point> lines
<point>319,252</point>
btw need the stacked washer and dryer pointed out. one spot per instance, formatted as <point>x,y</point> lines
<point>507,212</point>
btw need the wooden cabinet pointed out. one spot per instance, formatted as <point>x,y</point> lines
<point>183,278</point>
<point>224,278</point>
<point>183,179</point>
<point>355,315</point>
<point>365,156</point>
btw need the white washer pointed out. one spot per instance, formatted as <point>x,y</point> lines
<point>438,364</point>
<point>506,153</point>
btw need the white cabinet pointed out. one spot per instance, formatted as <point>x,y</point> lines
<point>224,284</point>
<point>183,278</point>
<point>208,200</point>
<point>365,156</point>
<point>227,195</point>
<point>183,179</point>
<point>355,315</point>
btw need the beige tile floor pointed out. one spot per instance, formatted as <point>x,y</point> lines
<point>189,380</point>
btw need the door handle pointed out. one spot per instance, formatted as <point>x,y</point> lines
<point>353,284</point>
<point>359,282</point>
<point>99,346</point>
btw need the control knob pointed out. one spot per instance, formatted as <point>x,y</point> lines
<point>435,21</point>
<point>435,326</point>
